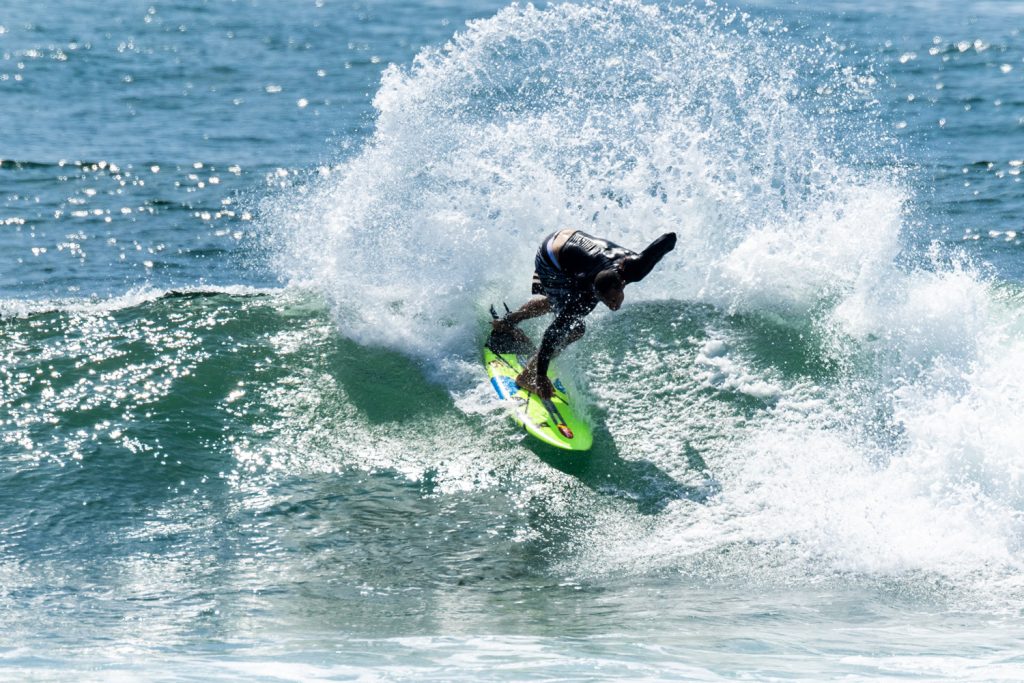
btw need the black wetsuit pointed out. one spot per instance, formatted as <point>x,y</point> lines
<point>567,280</point>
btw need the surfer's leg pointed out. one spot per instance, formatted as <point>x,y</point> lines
<point>537,306</point>
<point>575,330</point>
<point>564,331</point>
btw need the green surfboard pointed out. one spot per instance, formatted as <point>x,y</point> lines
<point>550,420</point>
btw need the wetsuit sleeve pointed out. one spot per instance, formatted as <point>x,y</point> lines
<point>636,268</point>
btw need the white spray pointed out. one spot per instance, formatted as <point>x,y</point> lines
<point>629,120</point>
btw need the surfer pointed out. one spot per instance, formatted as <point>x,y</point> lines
<point>575,271</point>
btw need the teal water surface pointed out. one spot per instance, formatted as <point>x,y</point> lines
<point>246,256</point>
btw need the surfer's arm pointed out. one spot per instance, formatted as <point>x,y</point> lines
<point>636,268</point>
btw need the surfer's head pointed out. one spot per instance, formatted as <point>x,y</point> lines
<point>608,284</point>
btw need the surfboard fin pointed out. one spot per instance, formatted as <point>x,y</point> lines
<point>494,312</point>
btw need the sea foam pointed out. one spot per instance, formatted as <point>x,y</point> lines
<point>628,120</point>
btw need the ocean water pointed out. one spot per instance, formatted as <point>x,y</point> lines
<point>246,254</point>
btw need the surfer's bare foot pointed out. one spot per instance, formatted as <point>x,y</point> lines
<point>541,386</point>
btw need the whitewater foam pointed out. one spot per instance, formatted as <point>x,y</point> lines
<point>896,453</point>
<point>625,119</point>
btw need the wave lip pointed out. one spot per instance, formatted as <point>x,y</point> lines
<point>23,308</point>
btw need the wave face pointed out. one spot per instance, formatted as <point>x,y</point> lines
<point>807,418</point>
<point>852,393</point>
